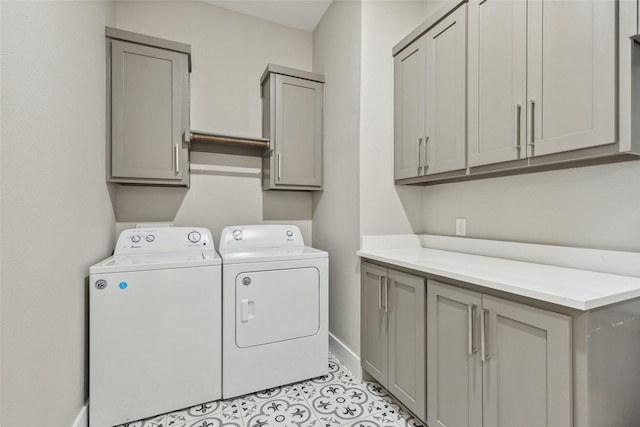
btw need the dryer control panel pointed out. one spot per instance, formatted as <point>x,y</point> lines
<point>164,239</point>
<point>260,236</point>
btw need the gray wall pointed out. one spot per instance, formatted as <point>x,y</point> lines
<point>336,54</point>
<point>230,52</point>
<point>384,207</point>
<point>56,216</point>
<point>591,207</point>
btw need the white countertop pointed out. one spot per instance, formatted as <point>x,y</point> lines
<point>570,287</point>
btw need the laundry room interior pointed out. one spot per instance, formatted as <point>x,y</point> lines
<point>57,203</point>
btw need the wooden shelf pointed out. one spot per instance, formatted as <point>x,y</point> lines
<point>218,138</point>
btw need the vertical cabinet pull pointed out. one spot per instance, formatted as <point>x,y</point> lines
<point>386,294</point>
<point>177,158</point>
<point>516,138</point>
<point>380,293</point>
<point>419,159</point>
<point>279,167</point>
<point>471,313</point>
<point>426,158</point>
<point>532,123</point>
<point>484,335</point>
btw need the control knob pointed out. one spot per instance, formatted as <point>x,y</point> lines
<point>237,234</point>
<point>135,239</point>
<point>151,238</point>
<point>194,237</point>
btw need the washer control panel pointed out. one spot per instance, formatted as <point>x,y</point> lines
<point>164,239</point>
<point>260,236</point>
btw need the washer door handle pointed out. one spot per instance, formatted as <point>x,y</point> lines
<point>247,310</point>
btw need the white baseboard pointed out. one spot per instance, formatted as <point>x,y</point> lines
<point>345,355</point>
<point>82,420</point>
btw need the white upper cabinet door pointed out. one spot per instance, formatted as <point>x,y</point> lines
<point>446,68</point>
<point>497,81</point>
<point>409,105</point>
<point>571,49</point>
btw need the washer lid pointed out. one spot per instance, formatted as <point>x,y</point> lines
<point>119,263</point>
<point>238,256</point>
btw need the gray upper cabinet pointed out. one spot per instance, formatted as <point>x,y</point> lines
<point>446,117</point>
<point>149,110</point>
<point>409,111</point>
<point>571,80</point>
<point>430,101</point>
<point>541,78</point>
<point>497,81</point>
<point>292,109</point>
<point>394,334</point>
<point>493,362</point>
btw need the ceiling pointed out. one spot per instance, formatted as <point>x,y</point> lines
<point>301,14</point>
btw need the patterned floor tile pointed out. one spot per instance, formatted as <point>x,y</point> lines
<point>338,403</point>
<point>337,399</point>
<point>378,420</point>
<point>285,411</point>
<point>179,418</point>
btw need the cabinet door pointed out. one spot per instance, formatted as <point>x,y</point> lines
<point>409,111</point>
<point>571,74</point>
<point>454,371</point>
<point>374,322</point>
<point>527,365</point>
<point>406,307</point>
<point>298,133</point>
<point>446,118</point>
<point>148,90</point>
<point>497,81</point>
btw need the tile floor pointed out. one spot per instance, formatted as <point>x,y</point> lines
<point>336,399</point>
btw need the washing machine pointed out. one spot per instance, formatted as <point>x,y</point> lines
<point>155,325</point>
<point>274,308</point>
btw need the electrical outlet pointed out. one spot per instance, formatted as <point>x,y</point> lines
<point>461,226</point>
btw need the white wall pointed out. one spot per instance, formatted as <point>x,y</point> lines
<point>229,51</point>
<point>56,214</point>
<point>336,54</point>
<point>384,208</point>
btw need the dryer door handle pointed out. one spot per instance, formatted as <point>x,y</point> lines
<point>247,310</point>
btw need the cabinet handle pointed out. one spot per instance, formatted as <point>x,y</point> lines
<point>517,134</point>
<point>380,293</point>
<point>279,162</point>
<point>426,158</point>
<point>419,159</point>
<point>484,335</point>
<point>386,294</point>
<point>177,156</point>
<point>532,122</point>
<point>471,313</point>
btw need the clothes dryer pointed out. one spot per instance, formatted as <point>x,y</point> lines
<point>275,316</point>
<point>155,325</point>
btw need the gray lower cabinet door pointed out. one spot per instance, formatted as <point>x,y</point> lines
<point>454,370</point>
<point>148,90</point>
<point>374,322</point>
<point>405,306</point>
<point>446,118</point>
<point>298,133</point>
<point>527,365</point>
<point>497,81</point>
<point>409,107</point>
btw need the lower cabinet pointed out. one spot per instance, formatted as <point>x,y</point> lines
<point>493,362</point>
<point>394,333</point>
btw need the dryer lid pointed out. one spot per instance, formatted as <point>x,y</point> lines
<point>238,256</point>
